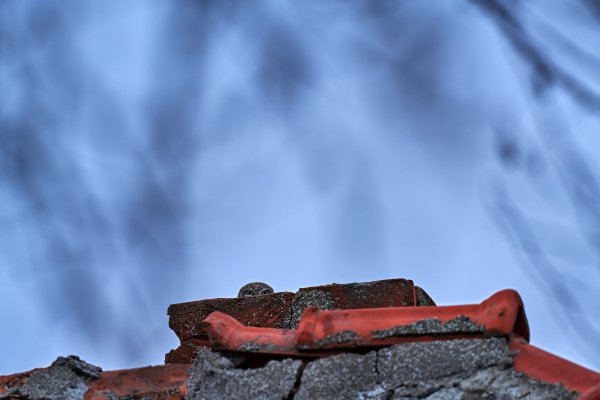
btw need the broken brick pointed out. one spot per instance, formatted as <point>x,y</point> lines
<point>185,319</point>
<point>423,299</point>
<point>186,352</point>
<point>385,293</point>
<point>266,311</point>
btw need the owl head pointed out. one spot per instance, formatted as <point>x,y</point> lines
<point>254,289</point>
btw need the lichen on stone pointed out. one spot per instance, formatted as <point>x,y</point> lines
<point>430,326</point>
<point>313,298</point>
<point>251,347</point>
<point>342,337</point>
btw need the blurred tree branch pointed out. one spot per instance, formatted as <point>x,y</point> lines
<point>546,71</point>
<point>575,174</point>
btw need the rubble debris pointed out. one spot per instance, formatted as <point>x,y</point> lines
<point>66,379</point>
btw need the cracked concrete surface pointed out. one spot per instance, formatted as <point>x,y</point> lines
<point>214,377</point>
<point>338,377</point>
<point>461,369</point>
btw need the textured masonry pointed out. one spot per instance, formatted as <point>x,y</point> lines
<point>283,309</point>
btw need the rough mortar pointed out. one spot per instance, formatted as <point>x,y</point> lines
<point>213,377</point>
<point>65,379</point>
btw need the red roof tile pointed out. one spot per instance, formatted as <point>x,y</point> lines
<point>158,382</point>
<point>547,367</point>
<point>322,333</point>
<point>319,331</point>
<point>501,314</point>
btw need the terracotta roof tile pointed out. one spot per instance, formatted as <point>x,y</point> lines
<point>320,331</point>
<point>547,367</point>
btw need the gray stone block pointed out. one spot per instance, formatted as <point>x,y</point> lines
<point>414,363</point>
<point>214,377</point>
<point>65,379</point>
<point>461,369</point>
<point>344,376</point>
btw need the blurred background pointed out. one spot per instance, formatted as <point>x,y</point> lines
<point>156,152</point>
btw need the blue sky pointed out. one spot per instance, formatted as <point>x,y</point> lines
<point>155,153</point>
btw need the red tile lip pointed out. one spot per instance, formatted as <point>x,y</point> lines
<point>500,315</point>
<point>591,394</point>
<point>547,367</point>
<point>154,382</point>
<point>226,333</point>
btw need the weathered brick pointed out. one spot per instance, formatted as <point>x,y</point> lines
<point>270,311</point>
<point>186,352</point>
<point>385,293</point>
<point>284,309</point>
<point>264,311</point>
<point>423,299</point>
